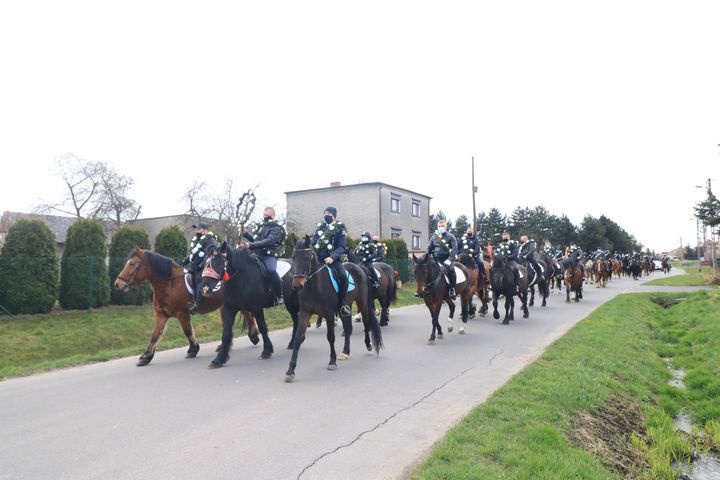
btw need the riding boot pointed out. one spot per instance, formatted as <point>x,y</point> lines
<point>374,283</point>
<point>194,304</point>
<point>516,280</point>
<point>343,287</point>
<point>481,269</point>
<point>276,283</point>
<point>450,270</point>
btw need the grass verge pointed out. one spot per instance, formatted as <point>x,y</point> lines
<point>597,400</point>
<point>692,278</point>
<point>32,343</point>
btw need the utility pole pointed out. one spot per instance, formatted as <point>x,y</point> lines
<point>474,191</point>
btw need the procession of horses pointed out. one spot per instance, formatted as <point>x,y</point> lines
<point>233,281</point>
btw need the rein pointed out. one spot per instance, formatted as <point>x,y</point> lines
<point>306,275</point>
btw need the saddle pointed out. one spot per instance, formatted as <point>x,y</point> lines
<point>459,275</point>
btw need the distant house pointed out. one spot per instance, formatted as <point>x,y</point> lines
<point>379,208</point>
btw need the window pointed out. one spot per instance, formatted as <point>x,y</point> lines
<point>416,240</point>
<point>395,233</point>
<point>395,203</point>
<point>415,208</point>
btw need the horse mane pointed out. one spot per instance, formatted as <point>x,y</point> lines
<point>160,264</point>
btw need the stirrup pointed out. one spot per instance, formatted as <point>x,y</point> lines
<point>345,311</point>
<point>279,301</point>
<point>451,293</point>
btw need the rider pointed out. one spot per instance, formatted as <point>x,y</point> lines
<point>329,242</point>
<point>472,246</point>
<point>509,248</point>
<point>443,248</point>
<point>365,253</point>
<point>380,249</point>
<point>527,254</point>
<point>200,245</point>
<point>268,245</point>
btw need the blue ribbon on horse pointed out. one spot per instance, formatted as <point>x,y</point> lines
<point>351,281</point>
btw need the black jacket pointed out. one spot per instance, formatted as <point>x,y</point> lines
<point>471,246</point>
<point>443,247</point>
<point>527,250</point>
<point>365,252</point>
<point>270,240</point>
<point>509,249</point>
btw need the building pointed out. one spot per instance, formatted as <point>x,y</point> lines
<point>379,208</point>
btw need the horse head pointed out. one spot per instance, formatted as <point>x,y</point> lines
<point>426,271</point>
<point>216,266</point>
<point>304,262</point>
<point>135,271</point>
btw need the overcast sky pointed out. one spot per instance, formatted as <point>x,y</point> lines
<point>584,107</point>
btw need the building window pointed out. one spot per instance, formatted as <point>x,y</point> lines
<point>415,208</point>
<point>395,233</point>
<point>395,203</point>
<point>416,240</point>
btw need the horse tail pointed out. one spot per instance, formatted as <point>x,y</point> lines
<point>375,331</point>
<point>392,294</point>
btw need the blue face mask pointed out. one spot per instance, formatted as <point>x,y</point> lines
<point>441,230</point>
<point>328,218</point>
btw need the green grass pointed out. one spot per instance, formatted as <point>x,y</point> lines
<point>692,278</point>
<point>32,343</point>
<point>521,432</point>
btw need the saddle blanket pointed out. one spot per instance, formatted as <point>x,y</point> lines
<point>283,267</point>
<point>351,281</point>
<point>191,291</point>
<point>459,276</point>
<point>377,272</point>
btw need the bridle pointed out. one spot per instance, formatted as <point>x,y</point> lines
<point>313,260</point>
<point>131,279</point>
<point>430,285</point>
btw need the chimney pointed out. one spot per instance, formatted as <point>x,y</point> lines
<point>335,184</point>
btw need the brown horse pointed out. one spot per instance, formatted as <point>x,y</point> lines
<point>170,298</point>
<point>573,279</point>
<point>480,284</point>
<point>433,288</point>
<point>602,271</point>
<point>616,268</point>
<point>666,265</point>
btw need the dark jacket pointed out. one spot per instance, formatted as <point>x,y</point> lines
<point>380,250</point>
<point>471,246</point>
<point>365,252</point>
<point>200,246</point>
<point>443,247</point>
<point>270,240</point>
<point>329,240</point>
<point>509,249</point>
<point>527,250</point>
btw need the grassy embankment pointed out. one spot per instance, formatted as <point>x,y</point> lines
<point>32,343</point>
<point>597,404</point>
<point>693,276</point>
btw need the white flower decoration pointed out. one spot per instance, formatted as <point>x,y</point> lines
<point>317,245</point>
<point>201,254</point>
<point>331,227</point>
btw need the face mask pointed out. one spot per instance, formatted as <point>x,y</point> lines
<point>365,239</point>
<point>469,235</point>
<point>267,218</point>
<point>328,218</point>
<point>441,230</point>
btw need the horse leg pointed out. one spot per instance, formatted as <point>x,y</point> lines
<point>347,332</point>
<point>508,310</point>
<point>159,327</point>
<point>332,365</point>
<point>451,306</point>
<point>303,321</point>
<point>228,317</point>
<point>567,293</point>
<point>523,299</point>
<point>545,292</point>
<point>294,316</point>
<point>384,309</point>
<point>464,312</point>
<point>496,314</point>
<point>484,298</point>
<point>252,326</point>
<point>267,344</point>
<point>532,295</point>
<point>190,334</point>
<point>435,314</point>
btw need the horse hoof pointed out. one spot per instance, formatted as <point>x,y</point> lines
<point>343,357</point>
<point>255,339</point>
<point>525,315</point>
<point>265,356</point>
<point>450,327</point>
<point>369,348</point>
<point>461,331</point>
<point>213,365</point>
<point>440,336</point>
<point>383,324</point>
<point>496,316</point>
<point>332,366</point>
<point>431,342</point>
<point>506,322</point>
<point>142,361</point>
<point>567,301</point>
<point>471,317</point>
<point>289,377</point>
<point>191,354</point>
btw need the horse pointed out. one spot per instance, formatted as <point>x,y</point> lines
<point>573,275</point>
<point>501,279</point>
<point>386,293</point>
<point>433,288</point>
<point>480,284</point>
<point>542,278</point>
<point>616,268</point>
<point>635,269</point>
<point>243,289</point>
<point>590,268</point>
<point>317,296</point>
<point>170,298</point>
<point>666,267</point>
<point>602,270</point>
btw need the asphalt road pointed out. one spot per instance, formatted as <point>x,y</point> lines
<point>374,417</point>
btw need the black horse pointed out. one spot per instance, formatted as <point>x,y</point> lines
<point>386,293</point>
<point>244,288</point>
<point>541,278</point>
<point>316,296</point>
<point>635,269</point>
<point>501,279</point>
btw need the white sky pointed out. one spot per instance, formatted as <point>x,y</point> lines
<point>584,107</point>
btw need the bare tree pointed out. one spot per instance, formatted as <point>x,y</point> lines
<point>83,186</point>
<point>115,203</point>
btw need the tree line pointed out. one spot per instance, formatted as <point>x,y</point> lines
<point>542,226</point>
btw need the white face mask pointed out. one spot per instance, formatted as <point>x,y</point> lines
<point>441,230</point>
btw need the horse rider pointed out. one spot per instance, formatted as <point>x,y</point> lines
<point>268,245</point>
<point>443,249</point>
<point>200,245</point>
<point>527,254</point>
<point>329,243</point>
<point>380,248</point>
<point>472,246</point>
<point>366,253</point>
<point>509,248</point>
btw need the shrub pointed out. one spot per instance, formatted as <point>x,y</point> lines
<point>172,243</point>
<point>122,243</point>
<point>28,268</point>
<point>83,271</point>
